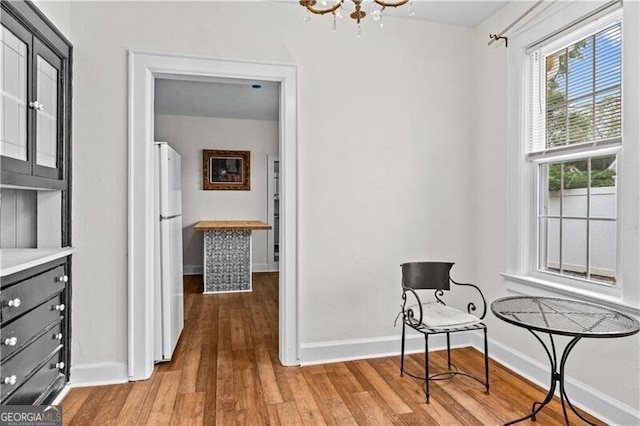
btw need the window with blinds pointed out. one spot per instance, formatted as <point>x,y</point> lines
<point>575,134</point>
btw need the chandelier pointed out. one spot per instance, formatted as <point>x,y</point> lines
<point>358,14</point>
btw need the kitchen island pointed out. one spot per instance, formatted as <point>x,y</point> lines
<point>227,254</point>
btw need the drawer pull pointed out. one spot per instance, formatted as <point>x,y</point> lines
<point>11,341</point>
<point>14,303</point>
<point>11,380</point>
<point>57,336</point>
<point>63,279</point>
<point>59,307</point>
<point>60,365</point>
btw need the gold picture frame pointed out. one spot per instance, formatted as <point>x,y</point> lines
<point>225,170</point>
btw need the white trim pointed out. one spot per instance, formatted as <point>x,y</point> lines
<point>356,349</point>
<point>144,66</point>
<point>63,393</point>
<point>537,287</point>
<point>260,267</point>
<point>98,374</point>
<point>521,185</point>
<point>193,270</point>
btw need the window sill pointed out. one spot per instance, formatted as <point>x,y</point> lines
<point>539,287</point>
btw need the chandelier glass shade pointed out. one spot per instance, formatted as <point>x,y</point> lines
<point>322,7</point>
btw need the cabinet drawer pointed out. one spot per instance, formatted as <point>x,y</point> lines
<point>24,362</point>
<point>31,390</point>
<point>31,292</point>
<point>15,334</point>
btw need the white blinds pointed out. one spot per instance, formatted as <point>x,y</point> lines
<point>575,96</point>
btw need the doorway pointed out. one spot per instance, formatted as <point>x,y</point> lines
<point>144,69</point>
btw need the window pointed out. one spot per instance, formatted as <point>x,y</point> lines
<point>573,155</point>
<point>575,114</point>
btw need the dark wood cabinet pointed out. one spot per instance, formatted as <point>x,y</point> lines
<point>35,213</point>
<point>37,59</point>
<point>34,333</point>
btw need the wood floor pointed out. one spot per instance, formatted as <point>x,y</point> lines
<point>226,371</point>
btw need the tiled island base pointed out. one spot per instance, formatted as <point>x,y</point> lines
<point>227,255</point>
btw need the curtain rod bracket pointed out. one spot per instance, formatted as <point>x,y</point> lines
<point>500,36</point>
<point>496,37</point>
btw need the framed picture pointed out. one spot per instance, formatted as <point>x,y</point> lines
<point>226,170</point>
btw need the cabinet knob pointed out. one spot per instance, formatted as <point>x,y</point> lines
<point>36,105</point>
<point>11,380</point>
<point>57,336</point>
<point>11,341</point>
<point>59,365</point>
<point>14,303</point>
<point>59,307</point>
<point>63,279</point>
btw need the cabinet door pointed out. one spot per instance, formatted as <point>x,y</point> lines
<point>15,83</point>
<point>33,89</point>
<point>47,108</point>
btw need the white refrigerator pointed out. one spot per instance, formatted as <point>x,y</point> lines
<point>169,297</point>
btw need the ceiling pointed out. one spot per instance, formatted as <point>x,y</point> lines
<point>222,98</point>
<point>466,13</point>
<point>233,98</point>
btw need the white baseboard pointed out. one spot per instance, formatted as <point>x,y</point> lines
<point>594,402</point>
<point>590,400</point>
<point>349,350</point>
<point>260,267</point>
<point>61,395</point>
<point>192,270</point>
<point>199,269</point>
<point>103,373</point>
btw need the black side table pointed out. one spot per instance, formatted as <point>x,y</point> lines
<point>562,317</point>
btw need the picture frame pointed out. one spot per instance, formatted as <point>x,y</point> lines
<point>226,170</point>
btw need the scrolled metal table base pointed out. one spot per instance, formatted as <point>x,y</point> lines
<point>557,378</point>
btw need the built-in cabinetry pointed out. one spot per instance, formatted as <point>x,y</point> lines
<point>35,189</point>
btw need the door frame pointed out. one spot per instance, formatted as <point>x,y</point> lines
<point>144,68</point>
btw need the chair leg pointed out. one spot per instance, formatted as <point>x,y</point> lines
<point>402,351</point>
<point>449,350</point>
<point>486,360</point>
<point>426,365</point>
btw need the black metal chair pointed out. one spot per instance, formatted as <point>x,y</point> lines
<point>429,315</point>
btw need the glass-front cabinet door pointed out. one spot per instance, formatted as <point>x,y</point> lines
<point>46,111</point>
<point>16,46</point>
<point>32,88</point>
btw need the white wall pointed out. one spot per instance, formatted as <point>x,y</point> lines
<point>402,137</point>
<point>382,154</point>
<point>189,136</point>
<point>58,12</point>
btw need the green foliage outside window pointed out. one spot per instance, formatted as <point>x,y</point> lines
<point>592,115</point>
<point>576,174</point>
<point>589,115</point>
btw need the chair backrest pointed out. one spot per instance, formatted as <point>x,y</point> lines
<point>426,275</point>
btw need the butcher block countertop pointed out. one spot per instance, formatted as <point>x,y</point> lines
<point>237,225</point>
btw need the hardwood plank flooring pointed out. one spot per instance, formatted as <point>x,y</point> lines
<point>226,371</point>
